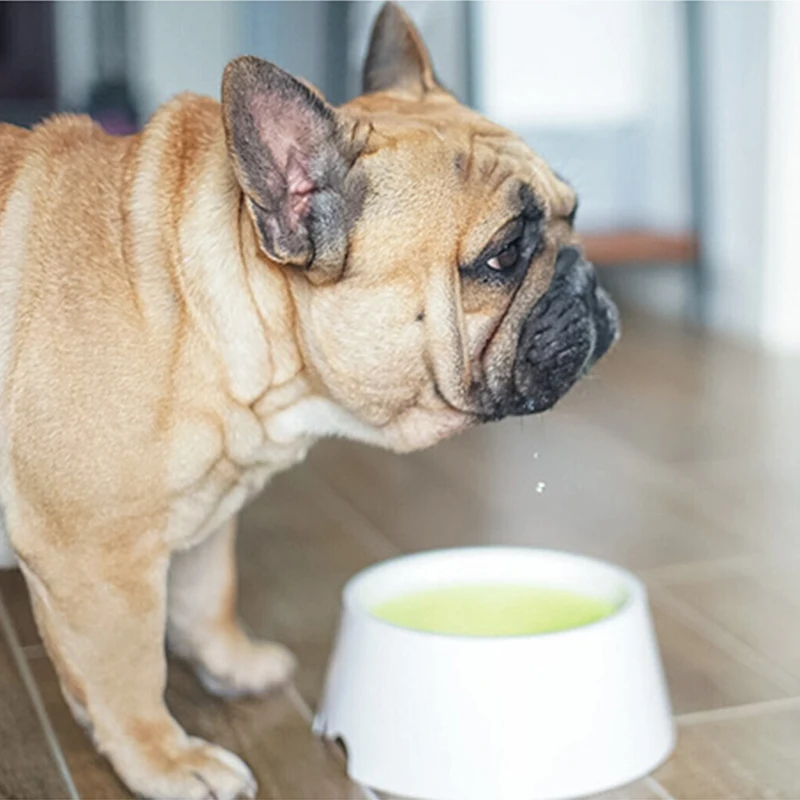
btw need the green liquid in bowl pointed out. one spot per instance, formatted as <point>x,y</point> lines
<point>493,610</point>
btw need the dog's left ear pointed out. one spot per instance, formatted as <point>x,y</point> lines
<point>288,151</point>
<point>397,57</point>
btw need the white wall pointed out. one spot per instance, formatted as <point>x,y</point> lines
<point>290,34</point>
<point>736,61</point>
<point>74,53</point>
<point>780,307</point>
<point>177,46</point>
<point>598,88</point>
<point>601,90</point>
<point>664,196</point>
<point>441,25</point>
<point>565,63</point>
<point>180,46</point>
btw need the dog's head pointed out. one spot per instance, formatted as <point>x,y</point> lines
<point>436,275</point>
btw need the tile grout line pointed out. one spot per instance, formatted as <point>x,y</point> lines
<point>356,523</point>
<point>667,472</point>
<point>31,651</point>
<point>716,633</point>
<point>712,510</point>
<point>738,712</point>
<point>710,569</point>
<point>369,535</point>
<point>302,707</point>
<point>657,789</point>
<point>707,569</point>
<point>7,629</point>
<point>715,568</point>
<point>298,701</point>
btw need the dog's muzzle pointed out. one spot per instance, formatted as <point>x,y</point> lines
<point>571,327</point>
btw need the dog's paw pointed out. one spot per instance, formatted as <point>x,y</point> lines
<point>246,667</point>
<point>198,771</point>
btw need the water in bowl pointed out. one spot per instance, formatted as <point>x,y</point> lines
<point>493,610</point>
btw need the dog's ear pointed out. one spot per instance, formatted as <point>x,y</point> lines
<point>397,57</point>
<point>287,146</point>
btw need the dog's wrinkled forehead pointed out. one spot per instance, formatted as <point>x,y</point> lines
<point>435,141</point>
<point>405,107</point>
<point>445,182</point>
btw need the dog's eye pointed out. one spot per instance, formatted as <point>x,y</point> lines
<point>506,258</point>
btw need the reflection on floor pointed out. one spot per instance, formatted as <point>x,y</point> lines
<point>677,459</point>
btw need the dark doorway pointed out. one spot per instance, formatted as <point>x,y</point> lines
<point>27,61</point>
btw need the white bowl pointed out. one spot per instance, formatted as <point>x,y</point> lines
<point>558,715</point>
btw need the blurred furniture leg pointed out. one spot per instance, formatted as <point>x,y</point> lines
<point>111,101</point>
<point>696,92</point>
<point>649,248</point>
<point>337,28</point>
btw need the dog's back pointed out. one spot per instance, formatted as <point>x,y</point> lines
<point>44,228</point>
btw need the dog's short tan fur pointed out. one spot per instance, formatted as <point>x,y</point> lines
<point>158,366</point>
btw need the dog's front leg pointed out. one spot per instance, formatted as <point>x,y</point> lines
<point>203,626</point>
<point>101,609</point>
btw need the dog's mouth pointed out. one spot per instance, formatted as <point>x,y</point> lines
<point>571,327</point>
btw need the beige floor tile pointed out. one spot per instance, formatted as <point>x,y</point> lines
<point>93,777</point>
<point>296,552</point>
<point>271,734</point>
<point>758,605</point>
<point>750,758</point>
<point>15,594</point>
<point>549,482</point>
<point>28,768</point>
<point>702,674</point>
<point>761,493</point>
<point>680,397</point>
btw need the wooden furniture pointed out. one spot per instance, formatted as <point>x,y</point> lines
<point>635,247</point>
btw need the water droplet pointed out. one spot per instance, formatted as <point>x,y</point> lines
<point>540,486</point>
<point>536,455</point>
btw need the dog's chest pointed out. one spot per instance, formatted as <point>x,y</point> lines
<point>219,468</point>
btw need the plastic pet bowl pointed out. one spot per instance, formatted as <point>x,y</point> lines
<point>534,717</point>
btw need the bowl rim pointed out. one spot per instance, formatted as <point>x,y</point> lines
<point>635,593</point>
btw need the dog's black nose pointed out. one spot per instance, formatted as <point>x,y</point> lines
<point>568,330</point>
<point>580,278</point>
<point>578,273</point>
<point>606,326</point>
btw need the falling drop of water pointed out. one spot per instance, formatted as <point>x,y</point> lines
<point>540,487</point>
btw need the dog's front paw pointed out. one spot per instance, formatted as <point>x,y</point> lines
<point>245,666</point>
<point>197,771</point>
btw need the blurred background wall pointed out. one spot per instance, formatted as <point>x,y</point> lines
<point>678,123</point>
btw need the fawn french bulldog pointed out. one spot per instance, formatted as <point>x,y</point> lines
<point>184,312</point>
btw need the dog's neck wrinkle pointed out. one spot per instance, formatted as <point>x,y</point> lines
<point>235,305</point>
<point>240,302</point>
<point>273,300</point>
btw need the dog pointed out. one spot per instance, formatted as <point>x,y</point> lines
<point>184,312</point>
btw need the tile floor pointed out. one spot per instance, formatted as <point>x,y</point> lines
<point>677,459</point>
